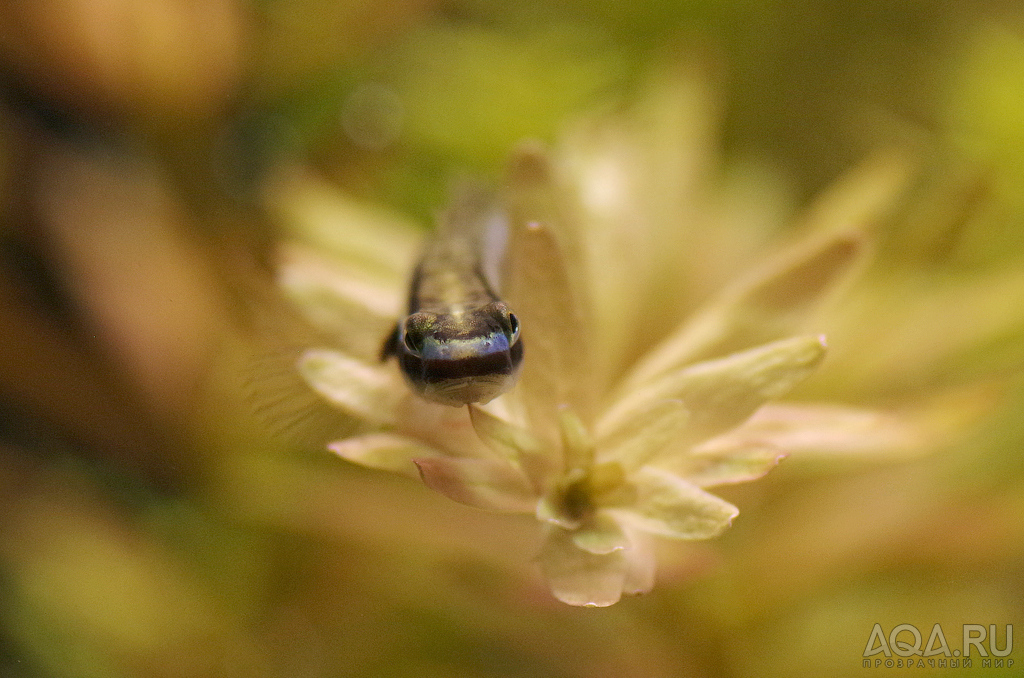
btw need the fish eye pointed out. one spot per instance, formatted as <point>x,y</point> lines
<point>413,341</point>
<point>513,326</point>
<point>415,330</point>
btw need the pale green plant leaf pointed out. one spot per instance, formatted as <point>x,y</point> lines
<point>670,506</point>
<point>721,394</point>
<point>540,290</point>
<point>834,429</point>
<point>601,535</point>
<point>721,462</point>
<point>334,299</point>
<point>642,436</point>
<point>481,483</point>
<point>767,305</point>
<point>383,451</point>
<point>347,230</point>
<point>366,391</point>
<point>513,443</point>
<point>579,577</point>
<point>642,567</point>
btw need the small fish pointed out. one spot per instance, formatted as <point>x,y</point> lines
<point>459,343</point>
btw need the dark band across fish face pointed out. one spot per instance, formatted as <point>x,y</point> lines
<point>457,382</point>
<point>468,356</point>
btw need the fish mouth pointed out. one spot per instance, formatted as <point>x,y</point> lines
<point>466,390</point>
<point>476,379</point>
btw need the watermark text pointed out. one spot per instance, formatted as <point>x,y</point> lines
<point>905,646</point>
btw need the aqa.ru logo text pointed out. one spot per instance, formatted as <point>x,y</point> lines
<point>904,646</point>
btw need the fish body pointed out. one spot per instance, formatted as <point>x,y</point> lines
<point>459,342</point>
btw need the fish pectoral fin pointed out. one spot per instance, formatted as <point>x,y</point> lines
<point>390,347</point>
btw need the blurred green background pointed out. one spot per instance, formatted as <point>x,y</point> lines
<point>152,525</point>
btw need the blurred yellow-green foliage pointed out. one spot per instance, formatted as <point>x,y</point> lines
<point>152,526</point>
